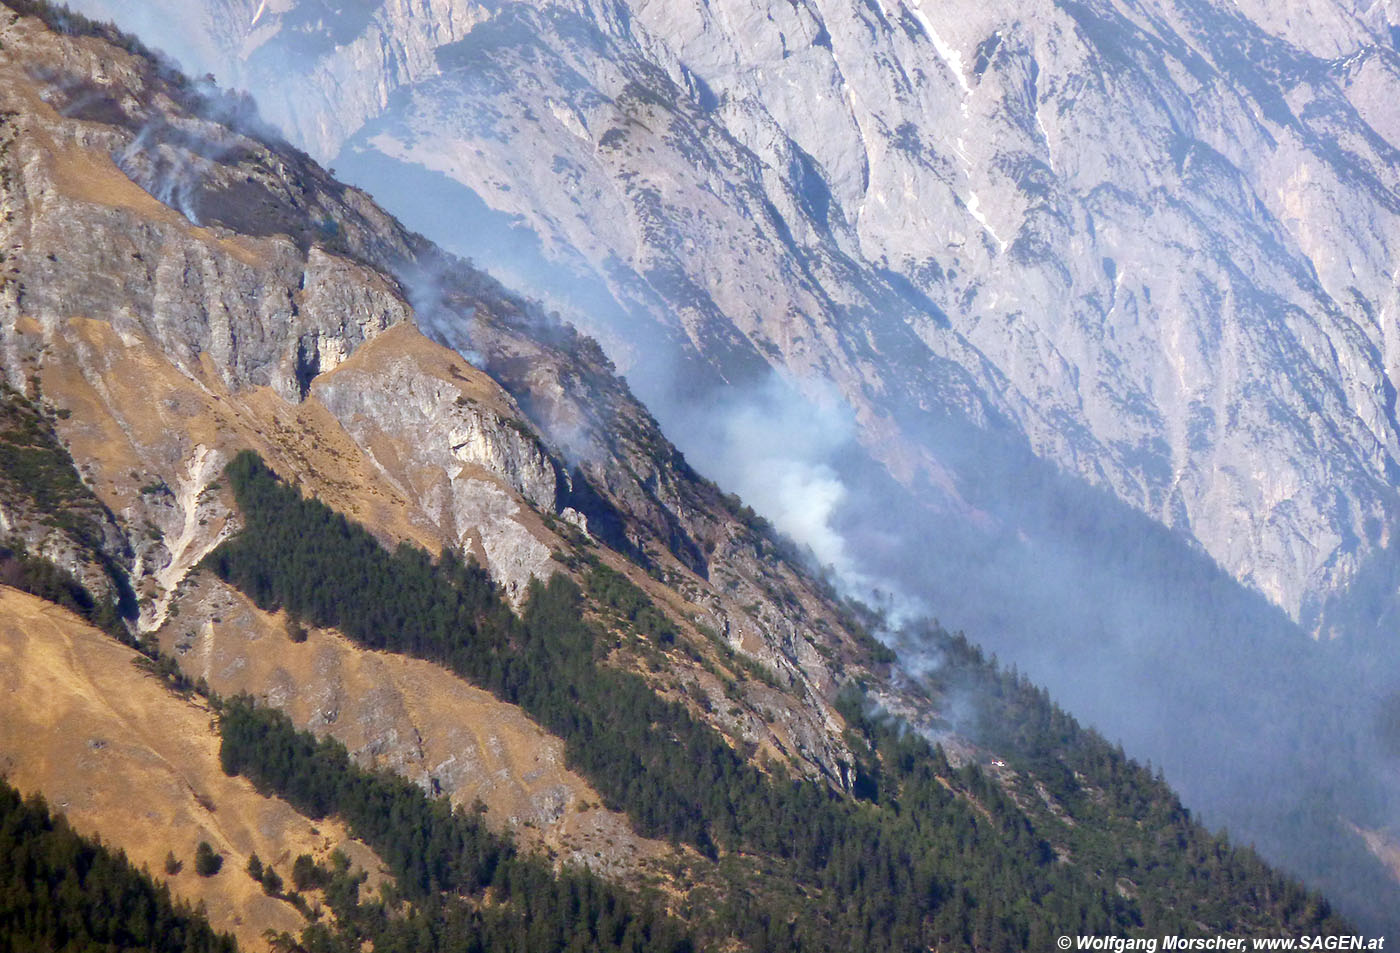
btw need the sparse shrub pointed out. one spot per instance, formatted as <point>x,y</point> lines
<point>295,630</point>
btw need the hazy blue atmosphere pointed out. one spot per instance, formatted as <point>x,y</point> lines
<point>1130,425</point>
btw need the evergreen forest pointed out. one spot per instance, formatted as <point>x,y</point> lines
<point>63,892</point>
<point>928,856</point>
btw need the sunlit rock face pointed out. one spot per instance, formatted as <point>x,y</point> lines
<point>1156,241</point>
<point>177,287</point>
<point>1148,246</point>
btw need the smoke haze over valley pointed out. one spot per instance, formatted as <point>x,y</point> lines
<point>1075,325</point>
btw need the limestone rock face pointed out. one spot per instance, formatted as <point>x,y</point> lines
<point>1058,264</point>
<point>1154,242</point>
<point>1143,249</point>
<point>460,452</point>
<point>177,285</point>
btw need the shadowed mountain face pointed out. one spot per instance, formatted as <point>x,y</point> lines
<point>1074,323</point>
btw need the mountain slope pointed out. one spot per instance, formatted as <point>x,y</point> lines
<point>1154,210</point>
<point>1075,273</point>
<point>113,904</point>
<point>160,348</point>
<point>126,760</point>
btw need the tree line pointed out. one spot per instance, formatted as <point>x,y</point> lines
<point>61,891</point>
<point>941,857</point>
<point>445,861</point>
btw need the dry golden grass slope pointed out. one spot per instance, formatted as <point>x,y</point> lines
<point>165,347</point>
<point>132,763</point>
<point>409,716</point>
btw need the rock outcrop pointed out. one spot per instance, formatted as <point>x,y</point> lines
<point>174,326</point>
<point>1140,239</point>
<point>1080,272</point>
<point>184,286</point>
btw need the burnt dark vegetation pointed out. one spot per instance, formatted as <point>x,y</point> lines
<point>60,19</point>
<point>199,96</point>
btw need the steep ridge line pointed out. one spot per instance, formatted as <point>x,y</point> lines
<point>677,779</point>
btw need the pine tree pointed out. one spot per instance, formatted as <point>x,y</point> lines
<point>207,863</point>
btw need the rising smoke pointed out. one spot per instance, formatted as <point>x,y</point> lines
<point>1127,624</point>
<point>773,445</point>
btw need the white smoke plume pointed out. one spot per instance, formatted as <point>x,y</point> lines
<point>773,446</point>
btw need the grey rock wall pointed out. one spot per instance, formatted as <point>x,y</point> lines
<point>1155,241</point>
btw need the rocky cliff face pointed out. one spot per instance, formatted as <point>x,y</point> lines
<point>1141,237</point>
<point>268,307</point>
<point>1146,249</point>
<point>186,287</point>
